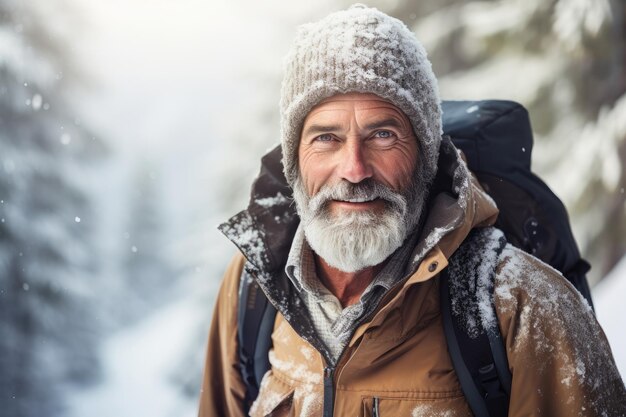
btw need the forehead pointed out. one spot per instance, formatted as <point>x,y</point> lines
<point>365,104</point>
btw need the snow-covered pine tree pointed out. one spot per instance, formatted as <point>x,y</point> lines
<point>47,261</point>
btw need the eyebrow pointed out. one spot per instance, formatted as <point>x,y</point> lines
<point>317,129</point>
<point>391,122</point>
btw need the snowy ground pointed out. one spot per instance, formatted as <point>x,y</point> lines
<point>137,362</point>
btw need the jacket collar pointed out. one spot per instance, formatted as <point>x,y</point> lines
<point>264,231</point>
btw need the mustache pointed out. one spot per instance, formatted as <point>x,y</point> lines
<point>367,189</point>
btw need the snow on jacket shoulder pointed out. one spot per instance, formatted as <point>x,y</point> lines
<point>558,355</point>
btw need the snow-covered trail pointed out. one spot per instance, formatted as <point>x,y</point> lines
<point>136,364</point>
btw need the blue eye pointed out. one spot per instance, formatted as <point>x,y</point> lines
<point>324,138</point>
<point>384,134</point>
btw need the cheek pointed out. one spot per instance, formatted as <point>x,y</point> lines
<point>397,168</point>
<point>314,172</point>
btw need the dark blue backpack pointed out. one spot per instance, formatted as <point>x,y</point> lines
<point>496,138</point>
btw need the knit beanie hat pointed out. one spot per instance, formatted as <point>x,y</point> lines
<point>359,50</point>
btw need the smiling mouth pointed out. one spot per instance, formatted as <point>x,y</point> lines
<point>358,200</point>
<point>358,203</point>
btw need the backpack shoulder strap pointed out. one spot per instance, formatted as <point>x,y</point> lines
<point>471,326</point>
<point>255,323</point>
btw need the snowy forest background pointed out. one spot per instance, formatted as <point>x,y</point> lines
<point>130,129</point>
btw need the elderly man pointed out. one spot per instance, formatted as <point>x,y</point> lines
<point>383,203</point>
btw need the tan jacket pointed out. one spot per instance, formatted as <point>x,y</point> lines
<point>560,360</point>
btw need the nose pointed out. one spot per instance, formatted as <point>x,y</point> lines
<point>354,165</point>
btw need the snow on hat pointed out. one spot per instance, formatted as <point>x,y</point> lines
<point>359,50</point>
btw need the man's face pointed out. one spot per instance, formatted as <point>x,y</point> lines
<point>352,138</point>
<point>359,192</point>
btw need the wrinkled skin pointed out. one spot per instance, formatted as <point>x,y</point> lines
<point>353,137</point>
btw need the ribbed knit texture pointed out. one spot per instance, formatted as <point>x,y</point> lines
<point>359,50</point>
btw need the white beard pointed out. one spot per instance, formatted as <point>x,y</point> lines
<point>354,241</point>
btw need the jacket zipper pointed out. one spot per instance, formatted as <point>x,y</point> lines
<point>375,410</point>
<point>329,391</point>
<point>329,373</point>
